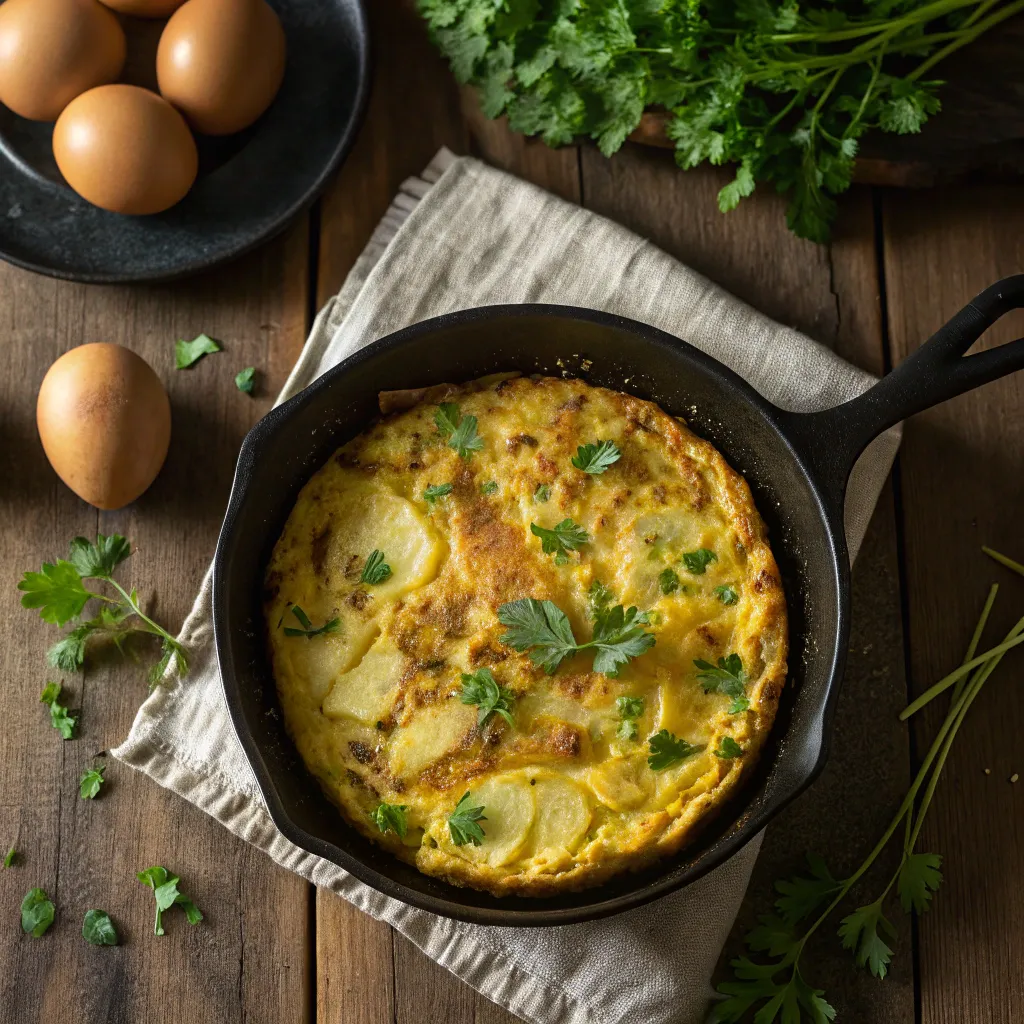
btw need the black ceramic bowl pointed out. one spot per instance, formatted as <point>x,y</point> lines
<point>797,466</point>
<point>250,185</point>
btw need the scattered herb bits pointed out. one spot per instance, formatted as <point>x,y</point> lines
<point>188,353</point>
<point>698,561</point>
<point>630,709</point>
<point>463,822</point>
<point>566,536</point>
<point>728,748</point>
<point>305,627</point>
<point>482,689</point>
<point>10,857</point>
<point>245,380</point>
<point>37,913</point>
<point>98,929</point>
<point>542,494</point>
<point>166,893</point>
<point>376,570</point>
<point>490,487</point>
<point>434,493</point>
<point>668,580</point>
<point>596,458</point>
<point>727,594</point>
<point>390,818</point>
<point>91,781</point>
<point>60,719</point>
<point>458,430</point>
<point>667,750</point>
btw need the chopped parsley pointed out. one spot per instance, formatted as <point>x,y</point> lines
<point>565,537</point>
<point>98,929</point>
<point>245,380</point>
<point>668,580</point>
<point>667,750</point>
<point>187,353</point>
<point>483,690</point>
<point>91,781</point>
<point>376,569</point>
<point>307,629</point>
<point>542,494</point>
<point>728,748</point>
<point>165,890</point>
<point>432,493</point>
<point>543,629</point>
<point>630,709</point>
<point>600,597</point>
<point>698,561</point>
<point>458,430</point>
<point>63,722</point>
<point>728,678</point>
<point>491,487</point>
<point>727,594</point>
<point>462,823</point>
<point>9,858</point>
<point>390,818</point>
<point>596,458</point>
<point>36,913</point>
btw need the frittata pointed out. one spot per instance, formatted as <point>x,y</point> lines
<point>528,633</point>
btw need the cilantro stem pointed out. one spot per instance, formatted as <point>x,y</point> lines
<point>151,626</point>
<point>972,647</point>
<point>966,37</point>
<point>927,13</point>
<point>1003,560</point>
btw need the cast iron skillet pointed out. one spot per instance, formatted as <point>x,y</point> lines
<point>797,466</point>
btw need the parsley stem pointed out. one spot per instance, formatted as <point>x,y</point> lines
<point>1003,560</point>
<point>966,37</point>
<point>963,670</point>
<point>972,647</point>
<point>928,13</point>
<point>151,626</point>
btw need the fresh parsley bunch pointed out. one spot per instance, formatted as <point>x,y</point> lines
<point>783,90</point>
<point>58,591</point>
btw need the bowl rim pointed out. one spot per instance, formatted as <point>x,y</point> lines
<point>665,878</point>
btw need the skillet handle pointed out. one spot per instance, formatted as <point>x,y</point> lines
<point>832,440</point>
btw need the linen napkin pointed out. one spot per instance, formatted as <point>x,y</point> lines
<point>461,235</point>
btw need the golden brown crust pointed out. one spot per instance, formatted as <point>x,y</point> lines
<point>669,492</point>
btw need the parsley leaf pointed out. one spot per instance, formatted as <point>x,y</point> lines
<point>433,494</point>
<point>36,913</point>
<point>727,594</point>
<point>919,877</point>
<point>542,494</point>
<point>245,380</point>
<point>462,823</point>
<point>90,783</point>
<point>618,637</point>
<point>390,817</point>
<point>10,856</point>
<point>56,591</point>
<point>459,430</point>
<point>187,353</point>
<point>63,722</point>
<point>596,458</point>
<point>667,750</point>
<point>166,893</point>
<point>98,929</point>
<point>482,689</point>
<point>803,894</point>
<point>728,678</point>
<point>668,580</point>
<point>491,487</point>
<point>307,629</point>
<point>565,537</point>
<point>376,569</point>
<point>599,597</point>
<point>728,748</point>
<point>698,561</point>
<point>630,709</point>
<point>859,931</point>
<point>99,560</point>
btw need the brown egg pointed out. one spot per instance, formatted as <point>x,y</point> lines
<point>125,149</point>
<point>221,62</point>
<point>145,8</point>
<point>105,423</point>
<point>53,50</point>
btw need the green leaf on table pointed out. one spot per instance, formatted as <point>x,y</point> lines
<point>166,893</point>
<point>245,380</point>
<point>98,929</point>
<point>99,560</point>
<point>56,591</point>
<point>187,353</point>
<point>803,894</point>
<point>859,932</point>
<point>60,719</point>
<point>919,877</point>
<point>36,913</point>
<point>91,781</point>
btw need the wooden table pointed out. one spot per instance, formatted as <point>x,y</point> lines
<point>273,949</point>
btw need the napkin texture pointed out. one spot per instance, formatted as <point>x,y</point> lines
<point>461,235</point>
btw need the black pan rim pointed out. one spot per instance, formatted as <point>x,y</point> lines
<point>277,227</point>
<point>668,881</point>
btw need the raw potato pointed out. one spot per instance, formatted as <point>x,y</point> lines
<point>54,50</point>
<point>509,808</point>
<point>105,423</point>
<point>429,736</point>
<point>366,691</point>
<point>563,815</point>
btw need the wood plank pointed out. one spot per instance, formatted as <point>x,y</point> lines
<point>249,958</point>
<point>831,293</point>
<point>962,487</point>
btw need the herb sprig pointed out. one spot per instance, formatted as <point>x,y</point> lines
<point>483,690</point>
<point>390,818</point>
<point>166,892</point>
<point>727,678</point>
<point>463,822</point>
<point>376,570</point>
<point>667,750</point>
<point>59,593</point>
<point>564,537</point>
<point>596,458</point>
<point>305,627</point>
<point>458,430</point>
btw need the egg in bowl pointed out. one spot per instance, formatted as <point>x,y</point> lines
<point>527,634</point>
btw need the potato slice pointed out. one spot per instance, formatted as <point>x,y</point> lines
<point>563,815</point>
<point>623,783</point>
<point>319,661</point>
<point>432,732</point>
<point>367,691</point>
<point>509,808</point>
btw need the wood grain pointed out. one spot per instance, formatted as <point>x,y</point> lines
<point>963,486</point>
<point>249,959</point>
